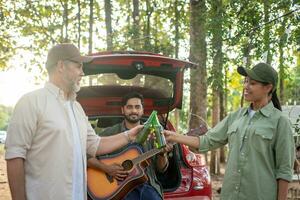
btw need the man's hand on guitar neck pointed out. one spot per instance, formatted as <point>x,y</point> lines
<point>162,158</point>
<point>168,148</point>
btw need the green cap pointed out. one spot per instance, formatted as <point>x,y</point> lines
<point>261,72</point>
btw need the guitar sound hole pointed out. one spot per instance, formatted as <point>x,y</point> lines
<point>127,165</point>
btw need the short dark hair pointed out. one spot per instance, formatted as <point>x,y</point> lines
<point>132,95</point>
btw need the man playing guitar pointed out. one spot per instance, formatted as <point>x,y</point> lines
<point>132,109</point>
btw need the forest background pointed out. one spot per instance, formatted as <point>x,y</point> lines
<point>218,35</point>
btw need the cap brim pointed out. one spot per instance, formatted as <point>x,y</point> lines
<point>242,71</point>
<point>247,72</point>
<point>83,59</point>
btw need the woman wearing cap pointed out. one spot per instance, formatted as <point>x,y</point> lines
<point>260,139</point>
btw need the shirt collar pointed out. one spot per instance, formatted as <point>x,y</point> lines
<point>266,110</point>
<point>59,93</point>
<point>123,126</point>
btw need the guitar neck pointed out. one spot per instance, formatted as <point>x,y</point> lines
<point>146,155</point>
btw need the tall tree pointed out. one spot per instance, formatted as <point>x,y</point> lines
<point>176,39</point>
<point>216,21</point>
<point>198,54</point>
<point>109,36</point>
<point>65,21</point>
<point>147,28</point>
<point>91,24</point>
<point>267,50</point>
<point>282,42</point>
<point>284,30</point>
<point>223,110</point>
<point>136,24</point>
<point>176,27</point>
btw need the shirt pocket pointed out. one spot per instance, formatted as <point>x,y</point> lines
<point>232,135</point>
<point>262,139</point>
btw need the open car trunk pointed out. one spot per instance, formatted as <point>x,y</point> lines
<point>110,76</point>
<point>159,79</point>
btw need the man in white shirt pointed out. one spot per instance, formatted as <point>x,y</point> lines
<point>49,135</point>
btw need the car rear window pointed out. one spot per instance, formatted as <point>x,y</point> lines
<point>156,83</point>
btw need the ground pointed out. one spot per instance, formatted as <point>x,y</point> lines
<point>5,193</point>
<point>216,182</point>
<point>216,186</point>
<point>4,189</point>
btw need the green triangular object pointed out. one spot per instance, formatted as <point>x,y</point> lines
<point>152,125</point>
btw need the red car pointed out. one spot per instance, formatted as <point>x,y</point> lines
<point>159,79</point>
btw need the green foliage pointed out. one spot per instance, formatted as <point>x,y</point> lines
<point>7,40</point>
<point>5,114</point>
<point>42,23</point>
<point>292,84</point>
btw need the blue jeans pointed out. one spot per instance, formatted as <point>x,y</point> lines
<point>143,192</point>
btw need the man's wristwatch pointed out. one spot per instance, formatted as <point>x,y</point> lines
<point>126,134</point>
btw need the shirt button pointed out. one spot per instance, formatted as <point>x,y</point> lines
<point>239,171</point>
<point>236,187</point>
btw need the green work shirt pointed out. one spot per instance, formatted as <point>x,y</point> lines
<point>151,169</point>
<point>261,150</point>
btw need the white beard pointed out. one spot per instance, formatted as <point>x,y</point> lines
<point>76,88</point>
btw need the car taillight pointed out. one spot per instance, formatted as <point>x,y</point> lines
<point>186,180</point>
<point>192,159</point>
<point>200,174</point>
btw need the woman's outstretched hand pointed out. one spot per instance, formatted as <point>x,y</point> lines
<point>170,136</point>
<point>173,137</point>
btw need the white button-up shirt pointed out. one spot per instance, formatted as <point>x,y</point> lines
<point>41,133</point>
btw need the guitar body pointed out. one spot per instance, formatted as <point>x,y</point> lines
<point>101,186</point>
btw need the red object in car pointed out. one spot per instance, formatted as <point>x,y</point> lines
<point>159,79</point>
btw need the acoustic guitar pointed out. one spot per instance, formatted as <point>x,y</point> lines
<point>102,186</point>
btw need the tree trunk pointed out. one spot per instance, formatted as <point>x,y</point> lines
<point>176,39</point>
<point>223,111</point>
<point>177,15</point>
<point>282,41</point>
<point>65,21</point>
<point>136,25</point>
<point>246,55</point>
<point>266,4</point>
<point>222,115</point>
<point>108,12</point>
<point>214,161</point>
<point>217,77</point>
<point>155,33</point>
<point>91,22</point>
<point>198,54</point>
<point>149,11</point>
